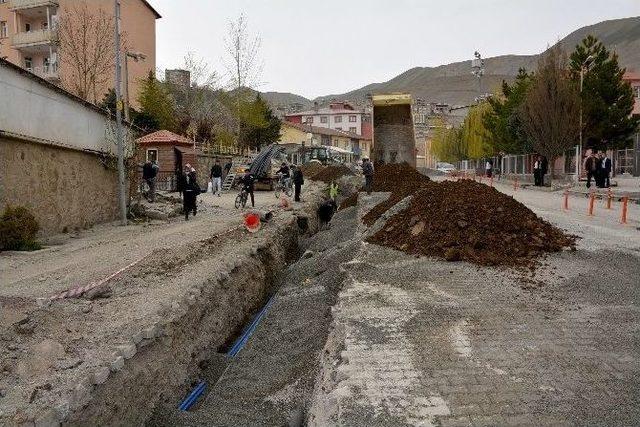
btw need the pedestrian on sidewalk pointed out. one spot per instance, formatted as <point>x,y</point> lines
<point>298,180</point>
<point>149,174</point>
<point>591,166</point>
<point>488,168</point>
<point>605,171</point>
<point>191,191</point>
<point>537,172</point>
<point>216,178</point>
<point>367,171</point>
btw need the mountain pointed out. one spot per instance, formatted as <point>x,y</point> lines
<point>453,83</point>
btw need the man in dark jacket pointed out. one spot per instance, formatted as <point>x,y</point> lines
<point>149,173</point>
<point>367,171</point>
<point>605,170</point>
<point>247,181</point>
<point>191,191</point>
<point>591,166</point>
<point>216,178</point>
<point>298,180</point>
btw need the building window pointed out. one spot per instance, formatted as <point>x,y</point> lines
<point>309,120</point>
<point>637,91</point>
<point>352,119</point>
<point>337,119</point>
<point>28,63</point>
<point>338,128</point>
<point>4,31</point>
<point>27,27</point>
<point>152,155</point>
<point>353,130</point>
<point>324,119</point>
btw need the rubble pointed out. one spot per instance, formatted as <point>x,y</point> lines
<point>465,220</point>
<point>331,173</point>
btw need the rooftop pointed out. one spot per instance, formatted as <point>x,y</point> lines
<point>324,131</point>
<point>164,137</point>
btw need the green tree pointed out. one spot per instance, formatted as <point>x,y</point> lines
<point>156,103</point>
<point>447,143</point>
<point>550,110</point>
<point>475,136</point>
<point>139,119</point>
<point>607,100</point>
<point>503,121</point>
<point>263,128</point>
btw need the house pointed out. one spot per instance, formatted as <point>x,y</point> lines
<point>29,38</point>
<point>340,116</point>
<point>171,152</point>
<point>57,153</point>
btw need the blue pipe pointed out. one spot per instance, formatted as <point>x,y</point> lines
<point>193,396</point>
<point>242,340</point>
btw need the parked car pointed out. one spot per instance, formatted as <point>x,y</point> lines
<point>445,167</point>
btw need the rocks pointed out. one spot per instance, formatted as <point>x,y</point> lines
<point>417,228</point>
<point>157,215</point>
<point>127,351</point>
<point>117,364</point>
<point>65,364</point>
<point>87,308</point>
<point>101,375</point>
<point>452,255</point>
<point>25,326</point>
<point>308,254</point>
<point>102,291</point>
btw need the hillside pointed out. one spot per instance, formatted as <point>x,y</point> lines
<point>454,84</point>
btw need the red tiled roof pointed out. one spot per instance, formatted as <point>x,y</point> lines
<point>630,75</point>
<point>164,137</point>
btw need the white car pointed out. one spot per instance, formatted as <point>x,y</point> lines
<point>445,167</point>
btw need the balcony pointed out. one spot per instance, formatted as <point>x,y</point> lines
<point>34,38</point>
<point>30,4</point>
<point>47,72</point>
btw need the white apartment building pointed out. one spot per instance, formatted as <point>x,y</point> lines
<point>340,116</point>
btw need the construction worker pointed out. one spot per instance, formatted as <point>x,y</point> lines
<point>367,171</point>
<point>333,190</point>
<point>298,180</point>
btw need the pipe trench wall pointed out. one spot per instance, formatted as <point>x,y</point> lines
<point>163,368</point>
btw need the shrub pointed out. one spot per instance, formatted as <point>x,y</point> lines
<point>18,229</point>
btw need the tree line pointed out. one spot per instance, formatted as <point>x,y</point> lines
<point>540,111</point>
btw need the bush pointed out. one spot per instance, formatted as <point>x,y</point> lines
<point>18,229</point>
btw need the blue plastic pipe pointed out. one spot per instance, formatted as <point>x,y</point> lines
<point>193,396</point>
<point>242,340</point>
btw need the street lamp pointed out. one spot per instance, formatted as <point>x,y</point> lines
<point>584,67</point>
<point>136,56</point>
<point>477,66</point>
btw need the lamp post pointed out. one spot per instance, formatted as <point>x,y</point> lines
<point>477,67</point>
<point>584,67</point>
<point>136,56</point>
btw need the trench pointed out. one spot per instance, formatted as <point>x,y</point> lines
<point>194,348</point>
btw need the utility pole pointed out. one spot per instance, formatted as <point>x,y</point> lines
<point>583,68</point>
<point>119,136</point>
<point>477,67</point>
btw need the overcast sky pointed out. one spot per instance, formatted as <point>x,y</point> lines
<point>333,46</point>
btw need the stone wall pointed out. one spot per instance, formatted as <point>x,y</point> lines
<point>64,188</point>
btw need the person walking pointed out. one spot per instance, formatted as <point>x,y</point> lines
<point>591,166</point>
<point>537,171</point>
<point>367,171</point>
<point>216,178</point>
<point>191,190</point>
<point>488,167</point>
<point>605,171</point>
<point>149,173</point>
<point>298,180</point>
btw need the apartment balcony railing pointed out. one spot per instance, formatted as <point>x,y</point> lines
<point>49,72</point>
<point>29,4</point>
<point>34,38</point>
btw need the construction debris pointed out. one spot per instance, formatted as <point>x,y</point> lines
<point>331,173</point>
<point>465,220</point>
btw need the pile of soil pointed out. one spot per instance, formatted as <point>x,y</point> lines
<point>331,173</point>
<point>466,220</point>
<point>352,200</point>
<point>311,168</point>
<point>401,180</point>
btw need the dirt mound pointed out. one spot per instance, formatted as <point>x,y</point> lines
<point>465,220</point>
<point>331,173</point>
<point>401,180</point>
<point>311,168</point>
<point>352,200</point>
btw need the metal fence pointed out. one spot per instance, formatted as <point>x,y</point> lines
<point>623,161</point>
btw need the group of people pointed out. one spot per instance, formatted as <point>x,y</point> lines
<point>540,169</point>
<point>292,172</point>
<point>598,168</point>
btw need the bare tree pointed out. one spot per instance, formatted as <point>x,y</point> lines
<point>201,73</point>
<point>86,50</point>
<point>243,62</point>
<point>551,109</point>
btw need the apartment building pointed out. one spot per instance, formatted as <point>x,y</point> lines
<point>634,80</point>
<point>340,116</point>
<point>29,37</point>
